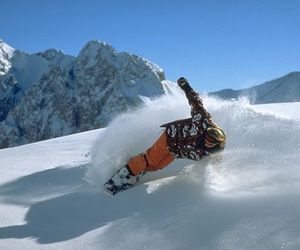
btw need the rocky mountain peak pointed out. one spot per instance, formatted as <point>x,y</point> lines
<point>50,94</point>
<point>94,49</point>
<point>51,54</point>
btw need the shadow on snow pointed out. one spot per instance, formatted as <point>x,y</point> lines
<point>62,206</point>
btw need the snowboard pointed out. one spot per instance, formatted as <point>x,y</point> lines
<point>121,181</point>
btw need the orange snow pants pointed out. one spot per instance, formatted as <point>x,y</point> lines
<point>156,157</point>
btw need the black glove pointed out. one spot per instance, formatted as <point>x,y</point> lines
<point>184,84</point>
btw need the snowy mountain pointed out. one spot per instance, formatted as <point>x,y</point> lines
<point>50,94</point>
<point>246,198</point>
<point>6,53</point>
<point>283,89</point>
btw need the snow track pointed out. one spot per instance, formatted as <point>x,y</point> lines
<point>247,197</point>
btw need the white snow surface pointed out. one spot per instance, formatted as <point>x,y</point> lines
<point>247,197</point>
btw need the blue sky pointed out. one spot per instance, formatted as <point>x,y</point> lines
<point>216,44</point>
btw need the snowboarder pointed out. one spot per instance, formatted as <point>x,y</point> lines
<point>190,138</point>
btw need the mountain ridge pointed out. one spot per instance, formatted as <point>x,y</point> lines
<point>49,94</point>
<point>283,89</point>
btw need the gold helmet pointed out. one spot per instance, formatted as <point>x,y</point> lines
<point>214,136</point>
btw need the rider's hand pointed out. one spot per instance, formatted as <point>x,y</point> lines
<point>183,83</point>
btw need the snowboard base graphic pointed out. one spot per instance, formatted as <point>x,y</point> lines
<point>121,181</point>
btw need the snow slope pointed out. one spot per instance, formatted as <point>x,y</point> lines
<point>245,198</point>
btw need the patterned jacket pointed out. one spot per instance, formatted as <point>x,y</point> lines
<point>185,137</point>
